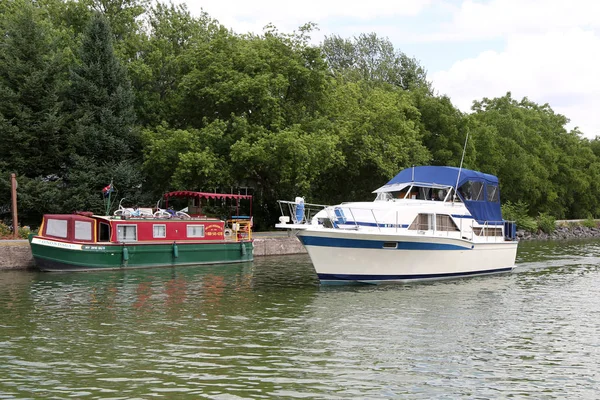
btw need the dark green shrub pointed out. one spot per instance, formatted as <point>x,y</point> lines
<point>24,232</point>
<point>518,212</point>
<point>590,222</point>
<point>5,232</point>
<point>546,222</point>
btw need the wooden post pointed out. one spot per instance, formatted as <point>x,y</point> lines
<point>13,184</point>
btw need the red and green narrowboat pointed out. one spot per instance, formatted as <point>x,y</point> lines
<point>87,242</point>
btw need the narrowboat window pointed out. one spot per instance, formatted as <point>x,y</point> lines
<point>159,231</point>
<point>83,230</point>
<point>195,231</point>
<point>57,228</point>
<point>445,223</point>
<point>423,222</point>
<point>492,193</point>
<point>104,232</point>
<point>126,233</point>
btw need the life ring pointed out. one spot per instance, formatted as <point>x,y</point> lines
<point>228,232</point>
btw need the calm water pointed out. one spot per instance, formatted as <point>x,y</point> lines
<point>268,330</point>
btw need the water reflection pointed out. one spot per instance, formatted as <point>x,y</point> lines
<point>267,329</point>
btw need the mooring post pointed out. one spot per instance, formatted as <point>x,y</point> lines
<point>13,185</point>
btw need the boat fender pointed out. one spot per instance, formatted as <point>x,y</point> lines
<point>175,250</point>
<point>125,254</point>
<point>228,232</point>
<point>243,249</point>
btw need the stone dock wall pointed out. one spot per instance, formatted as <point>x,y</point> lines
<point>16,254</point>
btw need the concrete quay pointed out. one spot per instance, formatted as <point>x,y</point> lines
<point>16,254</point>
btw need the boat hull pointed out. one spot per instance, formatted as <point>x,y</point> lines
<point>54,255</point>
<point>345,257</point>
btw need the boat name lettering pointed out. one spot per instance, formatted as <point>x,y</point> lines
<point>214,227</point>
<point>51,243</point>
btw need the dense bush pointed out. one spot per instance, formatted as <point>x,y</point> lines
<point>518,212</point>
<point>7,233</point>
<point>590,222</point>
<point>546,223</point>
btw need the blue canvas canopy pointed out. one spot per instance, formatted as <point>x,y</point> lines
<point>482,210</point>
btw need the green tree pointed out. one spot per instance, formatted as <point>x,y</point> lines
<point>100,101</point>
<point>102,127</point>
<point>273,80</point>
<point>445,129</point>
<point>379,133</point>
<point>537,160</point>
<point>373,59</point>
<point>177,159</point>
<point>32,73</point>
<point>160,67</point>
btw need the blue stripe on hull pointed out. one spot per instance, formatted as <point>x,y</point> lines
<point>374,244</point>
<point>343,278</point>
<point>372,224</point>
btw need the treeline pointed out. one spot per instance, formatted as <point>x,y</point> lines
<point>147,96</point>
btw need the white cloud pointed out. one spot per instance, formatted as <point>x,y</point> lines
<point>559,68</point>
<point>477,21</point>
<point>251,16</point>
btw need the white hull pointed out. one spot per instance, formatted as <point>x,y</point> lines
<point>346,256</point>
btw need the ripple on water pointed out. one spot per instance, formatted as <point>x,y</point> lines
<point>268,330</point>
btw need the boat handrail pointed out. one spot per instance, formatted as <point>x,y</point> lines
<point>289,209</point>
<point>488,230</point>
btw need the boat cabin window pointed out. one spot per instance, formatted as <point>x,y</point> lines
<point>488,231</point>
<point>159,231</point>
<point>472,190</point>
<point>195,231</point>
<point>445,223</point>
<point>83,230</point>
<point>56,227</point>
<point>492,193</point>
<point>126,233</point>
<point>104,232</point>
<point>423,222</point>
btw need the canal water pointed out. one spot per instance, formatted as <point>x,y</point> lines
<point>268,330</point>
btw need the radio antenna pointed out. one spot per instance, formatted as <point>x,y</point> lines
<point>461,164</point>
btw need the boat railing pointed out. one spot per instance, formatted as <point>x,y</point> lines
<point>298,212</point>
<point>346,217</point>
<point>494,230</point>
<point>239,228</point>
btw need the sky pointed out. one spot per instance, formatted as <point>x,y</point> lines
<point>545,50</point>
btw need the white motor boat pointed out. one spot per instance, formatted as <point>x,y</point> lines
<point>426,223</point>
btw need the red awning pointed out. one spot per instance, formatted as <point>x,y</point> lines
<point>187,193</point>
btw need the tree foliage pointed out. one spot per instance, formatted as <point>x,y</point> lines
<point>147,96</point>
<point>373,59</point>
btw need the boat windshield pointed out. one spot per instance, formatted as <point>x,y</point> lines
<point>420,192</point>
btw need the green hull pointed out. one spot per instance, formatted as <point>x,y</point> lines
<point>58,256</point>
